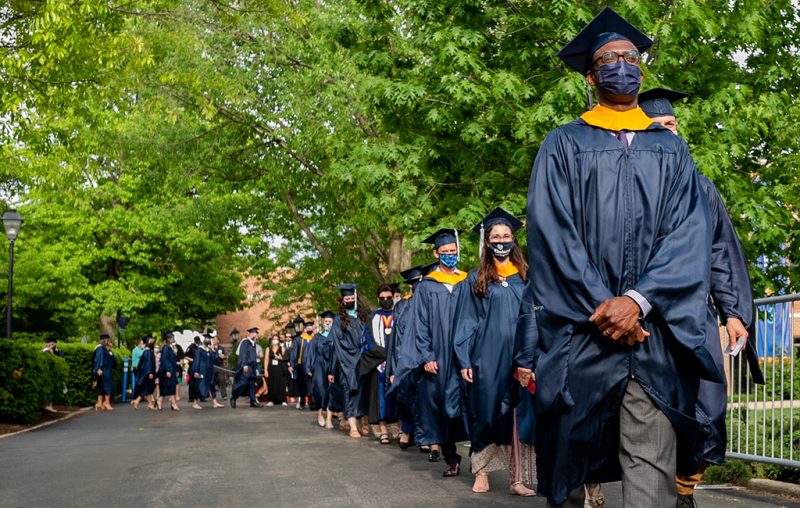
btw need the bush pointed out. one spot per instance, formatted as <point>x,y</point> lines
<point>732,471</point>
<point>29,380</point>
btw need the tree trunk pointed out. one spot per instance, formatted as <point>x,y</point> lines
<point>399,256</point>
<point>108,324</point>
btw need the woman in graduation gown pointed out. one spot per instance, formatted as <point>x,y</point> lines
<point>346,334</point>
<point>319,365</point>
<point>168,371</point>
<point>274,366</point>
<point>103,367</point>
<point>483,338</point>
<point>146,382</point>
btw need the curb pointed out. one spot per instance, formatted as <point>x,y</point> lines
<point>784,489</point>
<point>45,424</point>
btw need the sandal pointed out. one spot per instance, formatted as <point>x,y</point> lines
<point>519,489</point>
<point>355,434</point>
<point>481,489</point>
<point>384,438</point>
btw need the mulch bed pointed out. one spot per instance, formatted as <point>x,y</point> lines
<point>46,416</point>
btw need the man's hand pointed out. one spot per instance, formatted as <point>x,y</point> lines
<point>291,369</point>
<point>524,376</point>
<point>391,379</point>
<point>246,368</point>
<point>467,375</point>
<point>196,375</point>
<point>636,336</point>
<point>150,376</point>
<point>169,375</point>
<point>432,367</point>
<point>616,317</point>
<point>99,372</point>
<point>330,378</point>
<point>735,329</point>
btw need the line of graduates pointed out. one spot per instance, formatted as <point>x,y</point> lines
<point>612,321</point>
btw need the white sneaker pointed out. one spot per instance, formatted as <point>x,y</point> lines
<point>270,404</point>
<point>284,404</point>
<point>297,406</point>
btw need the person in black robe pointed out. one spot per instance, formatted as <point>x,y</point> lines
<point>731,303</point>
<point>402,356</point>
<point>102,369</point>
<point>274,362</point>
<point>441,422</point>
<point>485,322</point>
<point>146,382</point>
<point>614,325</point>
<point>298,363</point>
<point>203,373</point>
<point>168,371</point>
<point>246,368</point>
<point>346,333</point>
<point>372,366</point>
<point>191,381</point>
<point>320,357</point>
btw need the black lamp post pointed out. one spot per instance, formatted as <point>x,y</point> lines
<point>12,221</point>
<point>234,336</point>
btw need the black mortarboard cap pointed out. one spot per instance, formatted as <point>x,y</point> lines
<point>147,337</point>
<point>395,287</point>
<point>606,27</point>
<point>347,288</point>
<point>197,339</point>
<point>253,329</point>
<point>51,340</point>
<point>416,273</point>
<point>167,335</point>
<point>443,237</point>
<point>104,336</point>
<point>658,101</point>
<point>327,314</point>
<point>207,336</point>
<point>299,319</point>
<point>308,323</point>
<point>498,216</point>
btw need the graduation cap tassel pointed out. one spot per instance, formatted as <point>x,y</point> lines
<point>458,246</point>
<point>589,95</point>
<point>480,244</point>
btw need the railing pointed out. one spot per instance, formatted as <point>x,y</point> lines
<point>763,421</point>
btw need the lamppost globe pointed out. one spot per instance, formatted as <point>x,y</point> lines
<point>234,335</point>
<point>12,221</point>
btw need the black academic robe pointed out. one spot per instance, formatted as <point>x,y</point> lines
<point>602,221</point>
<point>247,358</point>
<point>299,362</point>
<point>483,339</point>
<point>103,359</point>
<point>169,364</point>
<point>319,365</point>
<point>276,379</point>
<point>347,352</point>
<point>731,296</point>
<point>147,365</point>
<point>202,366</point>
<point>402,361</point>
<point>439,396</point>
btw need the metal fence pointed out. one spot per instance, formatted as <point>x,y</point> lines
<point>764,420</point>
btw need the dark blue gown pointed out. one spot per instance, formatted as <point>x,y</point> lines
<point>169,363</point>
<point>602,221</point>
<point>483,339</point>
<point>347,352</point>
<point>732,296</point>
<point>298,358</point>
<point>244,382</point>
<point>201,366</point>
<point>319,363</point>
<point>439,396</point>
<point>103,359</point>
<point>147,365</point>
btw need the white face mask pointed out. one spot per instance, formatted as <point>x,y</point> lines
<point>274,342</point>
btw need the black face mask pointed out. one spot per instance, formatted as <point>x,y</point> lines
<point>349,305</point>
<point>501,250</point>
<point>386,303</point>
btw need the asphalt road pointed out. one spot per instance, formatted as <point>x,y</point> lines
<point>243,457</point>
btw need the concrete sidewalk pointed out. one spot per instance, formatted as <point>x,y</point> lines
<point>244,457</point>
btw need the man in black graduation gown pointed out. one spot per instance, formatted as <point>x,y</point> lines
<point>298,364</point>
<point>731,301</point>
<point>615,319</point>
<point>244,380</point>
<point>438,385</point>
<point>191,352</point>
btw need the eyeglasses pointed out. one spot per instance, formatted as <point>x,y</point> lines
<point>501,238</point>
<point>631,56</point>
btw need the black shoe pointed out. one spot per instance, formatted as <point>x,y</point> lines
<point>434,456</point>
<point>256,405</point>
<point>452,470</point>
<point>224,398</point>
<point>233,403</point>
<point>686,501</point>
<point>424,449</point>
<point>403,446</point>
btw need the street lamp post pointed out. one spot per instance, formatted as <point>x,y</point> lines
<point>12,221</point>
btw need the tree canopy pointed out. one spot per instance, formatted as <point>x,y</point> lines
<point>160,150</point>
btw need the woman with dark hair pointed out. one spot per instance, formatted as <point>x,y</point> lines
<point>483,339</point>
<point>146,382</point>
<point>372,366</point>
<point>274,369</point>
<point>346,334</point>
<point>102,367</point>
<point>168,372</point>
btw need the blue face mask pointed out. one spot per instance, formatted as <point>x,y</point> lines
<point>619,79</point>
<point>448,260</point>
<point>352,312</point>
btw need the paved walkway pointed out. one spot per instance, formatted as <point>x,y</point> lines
<point>242,458</point>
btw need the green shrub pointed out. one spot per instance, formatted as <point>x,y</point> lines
<point>732,471</point>
<point>79,376</point>
<point>29,380</point>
